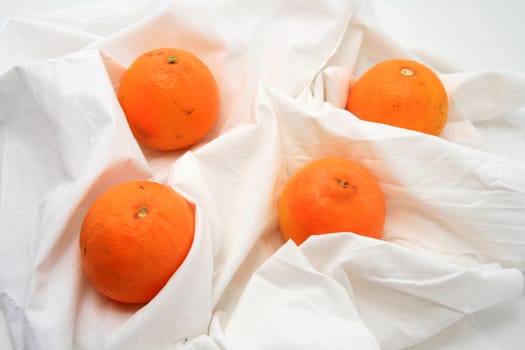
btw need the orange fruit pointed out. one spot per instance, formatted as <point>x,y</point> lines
<point>133,239</point>
<point>331,195</point>
<point>401,93</point>
<point>170,99</point>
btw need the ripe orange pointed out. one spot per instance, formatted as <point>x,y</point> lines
<point>170,99</point>
<point>133,239</point>
<point>331,195</point>
<point>401,93</point>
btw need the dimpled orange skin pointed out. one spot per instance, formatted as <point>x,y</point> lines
<point>401,93</point>
<point>331,195</point>
<point>170,99</point>
<point>133,238</point>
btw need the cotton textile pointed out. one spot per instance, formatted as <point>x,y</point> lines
<point>454,240</point>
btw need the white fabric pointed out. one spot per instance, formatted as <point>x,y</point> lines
<point>454,239</point>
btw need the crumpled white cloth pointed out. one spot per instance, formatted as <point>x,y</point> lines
<point>454,239</point>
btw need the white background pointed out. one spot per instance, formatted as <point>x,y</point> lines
<point>471,35</point>
<point>476,34</point>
